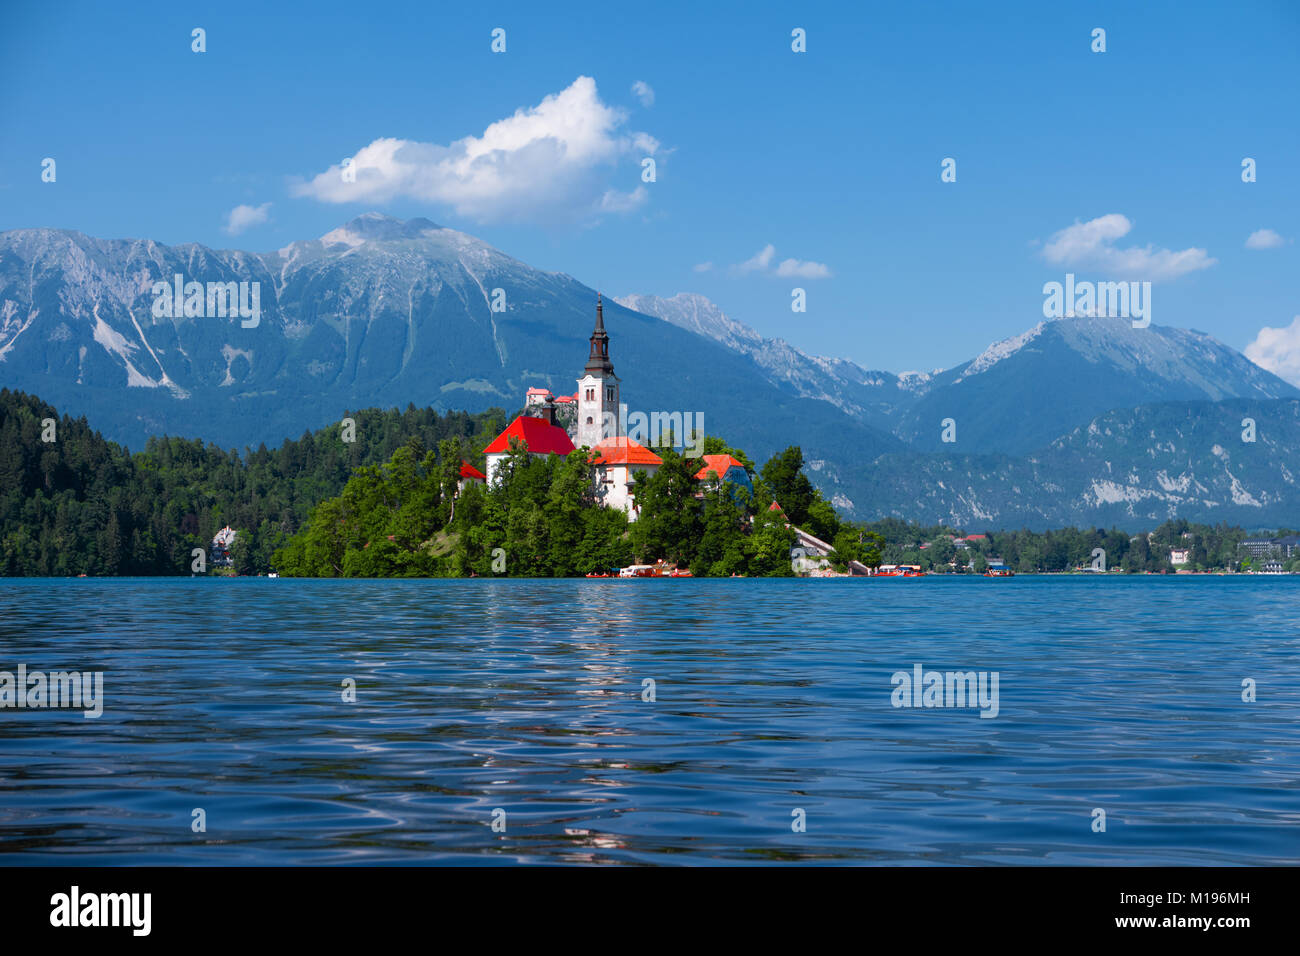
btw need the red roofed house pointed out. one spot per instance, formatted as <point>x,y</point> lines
<point>537,396</point>
<point>617,460</point>
<point>469,473</point>
<point>540,435</point>
<point>721,468</point>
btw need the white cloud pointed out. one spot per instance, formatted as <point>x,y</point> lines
<point>704,267</point>
<point>1278,350</point>
<point>758,262</point>
<point>545,162</point>
<point>1264,239</point>
<point>245,217</point>
<point>1091,244</point>
<point>615,201</point>
<point>796,268</point>
<point>761,261</point>
<point>642,90</point>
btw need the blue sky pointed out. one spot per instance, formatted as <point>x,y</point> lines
<point>832,156</point>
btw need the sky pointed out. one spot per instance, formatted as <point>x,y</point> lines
<point>774,169</point>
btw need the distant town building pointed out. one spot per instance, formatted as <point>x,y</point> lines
<point>1179,555</point>
<point>219,551</point>
<point>1286,547</point>
<point>537,396</point>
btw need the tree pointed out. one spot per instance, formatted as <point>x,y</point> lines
<point>784,480</point>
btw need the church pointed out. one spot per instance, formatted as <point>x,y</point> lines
<point>593,422</point>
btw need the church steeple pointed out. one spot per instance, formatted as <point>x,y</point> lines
<point>598,407</point>
<point>598,358</point>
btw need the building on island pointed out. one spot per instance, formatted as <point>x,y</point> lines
<point>469,475</point>
<point>617,460</point>
<point>1179,555</point>
<point>537,396</point>
<point>592,414</point>
<point>541,436</point>
<point>598,396</point>
<point>719,469</point>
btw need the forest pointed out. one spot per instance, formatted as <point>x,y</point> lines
<point>376,495</point>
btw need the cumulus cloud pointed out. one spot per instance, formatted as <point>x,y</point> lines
<point>1264,239</point>
<point>642,91</point>
<point>1278,350</point>
<point>545,162</point>
<point>761,262</point>
<point>1092,244</point>
<point>245,217</point>
<point>800,269</point>
<point>757,262</point>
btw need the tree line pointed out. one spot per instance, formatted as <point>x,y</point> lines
<point>380,498</point>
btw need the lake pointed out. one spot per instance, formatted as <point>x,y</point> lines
<point>503,721</point>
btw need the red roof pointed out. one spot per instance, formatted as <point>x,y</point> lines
<point>566,399</point>
<point>541,437</point>
<point>719,464</point>
<point>623,451</point>
<point>469,471</point>
<point>539,391</point>
<point>975,537</point>
<point>774,507</point>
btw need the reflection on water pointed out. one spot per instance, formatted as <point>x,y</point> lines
<point>529,697</point>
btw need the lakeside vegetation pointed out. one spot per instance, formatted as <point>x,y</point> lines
<point>386,505</point>
<point>1209,547</point>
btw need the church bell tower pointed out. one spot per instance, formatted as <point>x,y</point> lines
<point>598,390</point>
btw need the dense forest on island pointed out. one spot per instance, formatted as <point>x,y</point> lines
<point>541,519</point>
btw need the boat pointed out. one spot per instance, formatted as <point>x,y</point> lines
<point>900,571</point>
<point>659,569</point>
<point>637,571</point>
<point>999,571</point>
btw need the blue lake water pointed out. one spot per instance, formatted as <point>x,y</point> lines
<point>1120,694</point>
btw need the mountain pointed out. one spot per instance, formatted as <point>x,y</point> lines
<point>871,396</point>
<point>378,312</point>
<point>1016,396</point>
<point>1075,421</point>
<point>1026,391</point>
<point>1129,468</point>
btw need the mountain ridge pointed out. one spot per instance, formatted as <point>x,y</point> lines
<point>381,312</point>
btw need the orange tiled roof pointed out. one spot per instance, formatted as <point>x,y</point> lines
<point>720,464</point>
<point>623,451</point>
